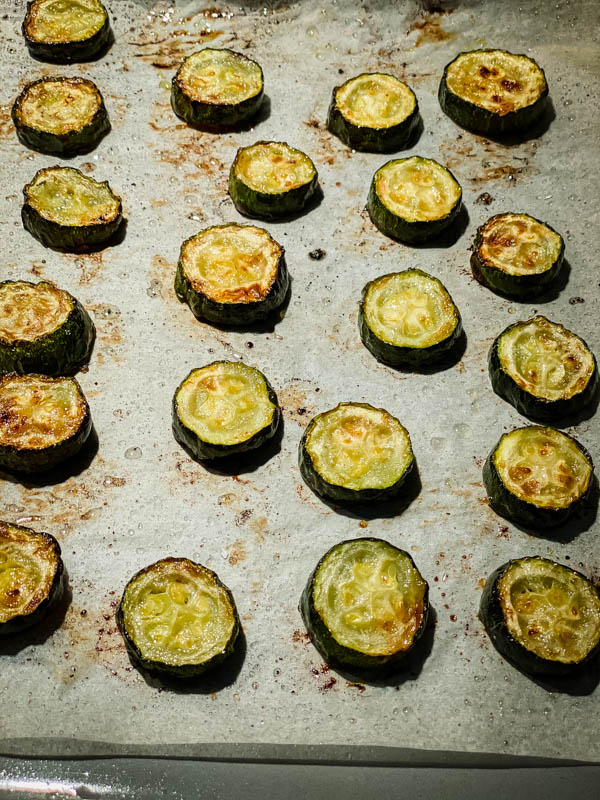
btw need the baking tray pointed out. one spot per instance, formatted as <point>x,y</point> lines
<point>135,496</point>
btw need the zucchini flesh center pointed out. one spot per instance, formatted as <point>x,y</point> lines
<point>542,466</point>
<point>545,359</point>
<point>375,101</point>
<point>417,189</point>
<point>498,81</point>
<point>273,167</point>
<point>27,568</point>
<point>178,615</point>
<point>410,310</point>
<point>65,20</point>
<point>550,610</point>
<point>232,264</point>
<point>220,77</point>
<point>59,106</point>
<point>68,197</point>
<point>519,245</point>
<point>37,413</point>
<point>30,311</point>
<point>359,447</point>
<point>225,403</point>
<point>370,596</point>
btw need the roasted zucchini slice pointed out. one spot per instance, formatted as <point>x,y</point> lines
<point>66,30</point>
<point>373,112</point>
<point>232,274</point>
<point>271,180</point>
<point>493,92</point>
<point>541,616</point>
<point>517,255</point>
<point>413,199</point>
<point>365,605</point>
<point>43,329</point>
<point>217,89</point>
<point>43,421</point>
<point>543,369</point>
<point>31,576</point>
<point>538,476</point>
<point>355,453</point>
<point>177,618</point>
<point>66,210</point>
<point>408,318</point>
<point>223,409</point>
<point>61,116</point>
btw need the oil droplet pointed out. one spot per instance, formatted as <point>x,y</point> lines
<point>133,453</point>
<point>153,289</point>
<point>192,200</point>
<point>512,310</point>
<point>93,513</point>
<point>462,430</point>
<point>406,711</point>
<point>437,442</point>
<point>164,84</point>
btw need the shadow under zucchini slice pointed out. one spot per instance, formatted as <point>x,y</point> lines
<point>178,619</point>
<point>43,421</point>
<point>538,476</point>
<point>68,30</point>
<point>541,616</point>
<point>31,577</point>
<point>365,605</point>
<point>224,408</point>
<point>43,329</point>
<point>232,274</point>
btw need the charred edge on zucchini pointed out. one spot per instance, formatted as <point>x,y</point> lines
<point>493,92</point>
<point>43,421</point>
<point>365,605</point>
<point>232,274</point>
<point>31,577</point>
<point>541,616</point>
<point>543,369</point>
<point>66,210</point>
<point>224,408</point>
<point>413,199</point>
<point>517,255</point>
<point>60,116</point>
<point>43,329</point>
<point>217,89</point>
<point>374,112</point>
<point>178,619</point>
<point>538,477</point>
<point>66,30</point>
<point>271,180</point>
<point>355,453</point>
<point>408,318</point>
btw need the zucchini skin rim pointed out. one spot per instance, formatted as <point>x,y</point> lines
<point>397,355</point>
<point>520,287</point>
<point>372,140</point>
<point>492,617</point>
<point>513,508</point>
<point>343,494</point>
<point>266,205</point>
<point>206,451</point>
<point>70,143</point>
<point>340,655</point>
<point>483,121</point>
<point>60,352</point>
<point>215,116</point>
<point>408,231</point>
<point>69,238</point>
<point>184,671</point>
<point>204,307</point>
<point>65,52</point>
<point>24,460</point>
<point>529,405</point>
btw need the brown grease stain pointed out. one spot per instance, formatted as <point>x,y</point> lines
<point>429,25</point>
<point>6,123</point>
<point>295,404</point>
<point>169,52</point>
<point>487,160</point>
<point>237,552</point>
<point>259,526</point>
<point>108,321</point>
<point>89,265</point>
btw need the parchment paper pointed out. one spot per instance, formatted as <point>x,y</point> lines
<point>68,687</point>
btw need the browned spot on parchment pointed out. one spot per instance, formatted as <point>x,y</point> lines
<point>480,160</point>
<point>6,123</point>
<point>237,552</point>
<point>327,146</point>
<point>295,403</point>
<point>37,268</point>
<point>89,265</point>
<point>169,52</point>
<point>108,321</point>
<point>429,25</point>
<point>259,526</point>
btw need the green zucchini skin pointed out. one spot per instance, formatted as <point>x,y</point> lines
<point>483,121</point>
<point>537,408</point>
<point>339,655</point>
<point>61,352</point>
<point>61,144</point>
<point>492,617</point>
<point>67,52</point>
